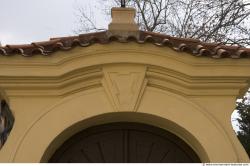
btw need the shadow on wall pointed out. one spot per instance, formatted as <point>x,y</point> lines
<point>241,121</point>
<point>6,122</point>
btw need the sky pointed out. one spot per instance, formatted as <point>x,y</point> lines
<point>26,21</point>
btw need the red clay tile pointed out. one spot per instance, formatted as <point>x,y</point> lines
<point>192,46</point>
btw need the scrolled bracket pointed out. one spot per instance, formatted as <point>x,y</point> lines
<point>6,122</point>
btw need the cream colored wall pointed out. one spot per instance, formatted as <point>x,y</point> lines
<point>54,97</point>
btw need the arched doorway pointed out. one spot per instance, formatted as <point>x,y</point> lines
<point>124,143</point>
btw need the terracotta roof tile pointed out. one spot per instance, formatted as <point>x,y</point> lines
<point>192,46</point>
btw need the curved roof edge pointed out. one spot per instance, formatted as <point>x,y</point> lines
<point>192,46</point>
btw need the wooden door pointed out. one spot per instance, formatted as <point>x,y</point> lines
<point>124,143</point>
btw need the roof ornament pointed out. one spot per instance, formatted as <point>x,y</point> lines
<point>123,23</point>
<point>123,3</point>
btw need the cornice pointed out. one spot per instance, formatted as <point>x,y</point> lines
<point>63,62</point>
<point>194,86</point>
<point>60,86</point>
<point>88,78</point>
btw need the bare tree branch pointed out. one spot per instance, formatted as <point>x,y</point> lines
<point>225,21</point>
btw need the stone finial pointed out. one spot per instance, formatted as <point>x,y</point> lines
<point>123,23</point>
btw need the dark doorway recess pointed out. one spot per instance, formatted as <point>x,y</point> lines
<point>124,143</point>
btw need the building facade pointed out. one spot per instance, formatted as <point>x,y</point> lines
<point>123,95</point>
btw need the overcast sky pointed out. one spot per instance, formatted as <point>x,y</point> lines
<point>25,21</point>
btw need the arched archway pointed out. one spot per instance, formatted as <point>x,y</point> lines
<point>124,142</point>
<point>159,113</point>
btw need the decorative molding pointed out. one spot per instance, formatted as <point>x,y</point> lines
<point>60,86</point>
<point>88,78</point>
<point>185,85</point>
<point>125,86</point>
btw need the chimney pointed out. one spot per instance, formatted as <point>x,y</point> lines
<point>123,24</point>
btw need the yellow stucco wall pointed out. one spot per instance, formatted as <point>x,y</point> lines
<point>54,97</point>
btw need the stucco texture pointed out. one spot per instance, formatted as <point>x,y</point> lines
<point>54,97</point>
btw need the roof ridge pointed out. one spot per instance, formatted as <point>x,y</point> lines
<point>192,46</point>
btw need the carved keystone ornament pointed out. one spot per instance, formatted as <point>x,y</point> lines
<point>124,85</point>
